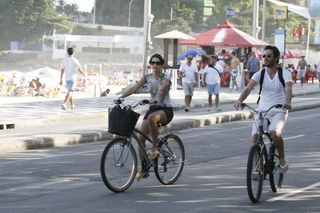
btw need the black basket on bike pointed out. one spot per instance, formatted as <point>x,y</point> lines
<point>122,121</point>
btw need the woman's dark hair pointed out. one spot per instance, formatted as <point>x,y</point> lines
<point>275,51</point>
<point>158,56</point>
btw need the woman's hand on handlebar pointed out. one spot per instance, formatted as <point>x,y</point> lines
<point>153,101</point>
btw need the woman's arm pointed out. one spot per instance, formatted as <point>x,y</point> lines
<point>163,90</point>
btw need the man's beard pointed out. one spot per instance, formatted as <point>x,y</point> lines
<point>271,64</point>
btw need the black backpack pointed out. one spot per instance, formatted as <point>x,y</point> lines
<point>280,75</point>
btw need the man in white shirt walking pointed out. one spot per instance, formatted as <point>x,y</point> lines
<point>211,79</point>
<point>70,66</point>
<point>189,73</point>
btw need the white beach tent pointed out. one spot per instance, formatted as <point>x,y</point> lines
<point>47,75</point>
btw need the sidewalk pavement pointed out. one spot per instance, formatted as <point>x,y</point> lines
<point>38,122</point>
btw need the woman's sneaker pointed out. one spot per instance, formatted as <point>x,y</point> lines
<point>142,174</point>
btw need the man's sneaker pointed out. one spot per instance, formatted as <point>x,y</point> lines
<point>63,107</point>
<point>284,166</point>
<point>186,110</point>
<point>142,174</point>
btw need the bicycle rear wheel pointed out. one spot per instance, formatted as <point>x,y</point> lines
<point>255,173</point>
<point>170,163</point>
<point>276,177</point>
<point>118,165</point>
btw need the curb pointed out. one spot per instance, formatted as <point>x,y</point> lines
<point>63,140</point>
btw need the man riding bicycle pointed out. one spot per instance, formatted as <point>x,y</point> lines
<point>272,92</point>
<point>160,111</point>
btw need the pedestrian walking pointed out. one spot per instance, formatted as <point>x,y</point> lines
<point>302,68</point>
<point>318,72</point>
<point>234,65</point>
<point>253,65</point>
<point>212,74</point>
<point>189,73</point>
<point>69,66</point>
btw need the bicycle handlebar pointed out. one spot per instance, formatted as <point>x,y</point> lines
<point>142,102</point>
<point>278,106</point>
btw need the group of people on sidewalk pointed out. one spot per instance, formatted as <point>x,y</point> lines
<point>160,111</point>
<point>211,78</point>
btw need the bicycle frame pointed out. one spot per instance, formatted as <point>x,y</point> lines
<point>140,145</point>
<point>263,132</point>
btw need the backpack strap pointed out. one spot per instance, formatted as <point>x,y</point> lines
<point>261,82</point>
<point>280,76</point>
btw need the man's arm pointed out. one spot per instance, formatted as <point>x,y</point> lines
<point>83,74</point>
<point>245,93</point>
<point>288,89</point>
<point>61,76</point>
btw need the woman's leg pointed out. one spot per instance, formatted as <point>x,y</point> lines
<point>145,129</point>
<point>154,119</point>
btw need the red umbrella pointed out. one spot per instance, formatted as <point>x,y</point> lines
<point>291,54</point>
<point>225,35</point>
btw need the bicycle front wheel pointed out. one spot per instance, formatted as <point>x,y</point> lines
<point>276,177</point>
<point>255,173</point>
<point>170,163</point>
<point>118,165</point>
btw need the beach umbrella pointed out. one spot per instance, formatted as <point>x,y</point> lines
<point>193,52</point>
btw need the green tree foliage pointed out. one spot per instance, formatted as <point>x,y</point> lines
<point>111,12</point>
<point>28,20</point>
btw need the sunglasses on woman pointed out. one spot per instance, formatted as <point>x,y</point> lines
<point>155,62</point>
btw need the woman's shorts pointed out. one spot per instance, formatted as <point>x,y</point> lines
<point>167,110</point>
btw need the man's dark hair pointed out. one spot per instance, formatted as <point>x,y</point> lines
<point>275,51</point>
<point>70,51</point>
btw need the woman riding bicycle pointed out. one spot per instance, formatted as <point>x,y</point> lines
<point>160,110</point>
<point>272,93</point>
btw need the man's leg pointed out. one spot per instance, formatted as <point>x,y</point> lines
<point>210,100</point>
<point>217,102</point>
<point>277,123</point>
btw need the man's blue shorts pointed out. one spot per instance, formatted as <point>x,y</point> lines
<point>71,85</point>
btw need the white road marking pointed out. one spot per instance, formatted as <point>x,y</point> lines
<point>32,186</point>
<point>294,192</point>
<point>293,137</point>
<point>51,156</point>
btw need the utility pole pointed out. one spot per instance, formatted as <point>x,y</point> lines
<point>255,28</point>
<point>263,33</point>
<point>147,22</point>
<point>129,15</point>
<point>94,12</point>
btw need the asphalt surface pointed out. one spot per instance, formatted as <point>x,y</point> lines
<point>40,123</point>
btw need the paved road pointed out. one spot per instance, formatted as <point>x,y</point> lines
<point>68,179</point>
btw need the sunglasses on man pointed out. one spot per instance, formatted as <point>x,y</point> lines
<point>267,56</point>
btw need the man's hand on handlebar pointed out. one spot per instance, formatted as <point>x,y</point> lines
<point>237,104</point>
<point>287,106</point>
